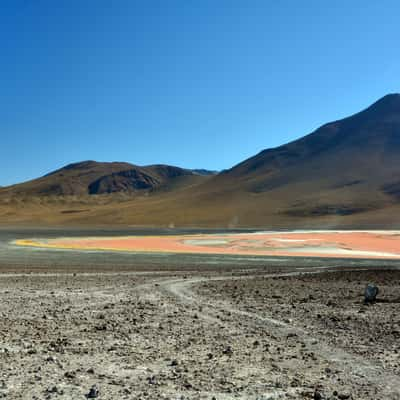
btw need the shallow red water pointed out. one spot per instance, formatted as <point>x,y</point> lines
<point>379,244</point>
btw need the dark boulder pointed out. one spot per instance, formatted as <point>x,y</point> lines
<point>94,392</point>
<point>371,291</point>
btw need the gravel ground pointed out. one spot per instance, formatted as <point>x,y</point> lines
<point>113,326</point>
<point>356,346</point>
<point>190,335</point>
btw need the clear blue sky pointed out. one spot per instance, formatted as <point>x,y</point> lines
<point>193,83</point>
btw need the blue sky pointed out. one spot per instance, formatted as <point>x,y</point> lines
<point>198,84</point>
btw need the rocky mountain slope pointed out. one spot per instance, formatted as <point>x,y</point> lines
<point>344,174</point>
<point>91,177</point>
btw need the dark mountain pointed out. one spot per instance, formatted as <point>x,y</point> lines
<point>345,173</point>
<point>346,166</point>
<point>365,143</point>
<point>91,177</point>
<point>204,172</point>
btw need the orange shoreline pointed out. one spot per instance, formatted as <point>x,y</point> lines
<point>343,244</point>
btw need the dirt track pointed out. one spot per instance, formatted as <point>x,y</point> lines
<point>190,335</point>
<point>194,327</point>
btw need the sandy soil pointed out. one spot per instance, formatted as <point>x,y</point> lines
<point>350,244</point>
<point>233,334</point>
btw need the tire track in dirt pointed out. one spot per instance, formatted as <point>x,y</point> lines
<point>355,367</point>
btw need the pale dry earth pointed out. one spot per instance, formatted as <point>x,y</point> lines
<point>196,328</point>
<point>141,336</point>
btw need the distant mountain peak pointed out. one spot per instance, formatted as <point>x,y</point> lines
<point>80,164</point>
<point>388,103</point>
<point>93,177</point>
<point>345,173</point>
<point>391,96</point>
<point>204,172</point>
<point>368,136</point>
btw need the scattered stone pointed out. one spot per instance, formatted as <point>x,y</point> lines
<point>94,392</point>
<point>318,395</point>
<point>251,360</point>
<point>102,327</point>
<point>70,374</point>
<point>228,351</point>
<point>371,291</point>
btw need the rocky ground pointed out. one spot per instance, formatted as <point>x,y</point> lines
<point>243,334</point>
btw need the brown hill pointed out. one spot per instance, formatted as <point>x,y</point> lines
<point>365,143</point>
<point>344,167</point>
<point>91,177</point>
<point>344,174</point>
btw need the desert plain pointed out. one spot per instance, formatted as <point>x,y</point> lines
<point>79,324</point>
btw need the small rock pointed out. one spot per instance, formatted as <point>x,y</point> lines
<point>70,374</point>
<point>317,395</point>
<point>94,392</point>
<point>371,291</point>
<point>228,350</point>
<point>102,327</point>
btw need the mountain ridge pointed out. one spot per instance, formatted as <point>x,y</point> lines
<point>388,104</point>
<point>344,173</point>
<point>92,177</point>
